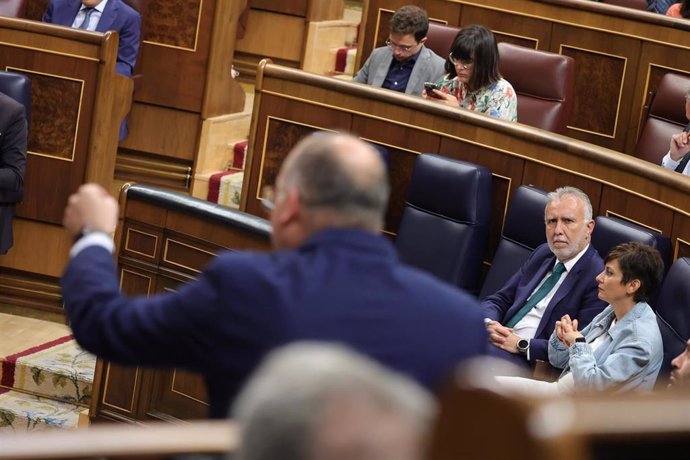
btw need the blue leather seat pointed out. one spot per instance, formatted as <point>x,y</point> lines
<point>673,312</point>
<point>612,231</point>
<point>523,231</point>
<point>18,87</point>
<point>445,222</point>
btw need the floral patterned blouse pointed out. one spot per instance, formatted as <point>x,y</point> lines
<point>497,99</point>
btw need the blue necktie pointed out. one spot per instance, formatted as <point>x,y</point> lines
<point>85,24</point>
<point>540,293</point>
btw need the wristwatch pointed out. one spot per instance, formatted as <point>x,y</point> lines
<point>580,340</point>
<point>523,346</point>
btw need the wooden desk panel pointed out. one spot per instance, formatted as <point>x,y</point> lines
<point>516,154</point>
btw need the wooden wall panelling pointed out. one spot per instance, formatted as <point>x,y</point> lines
<point>591,26</point>
<point>605,78</point>
<point>516,154</point>
<point>524,30</point>
<point>619,202</point>
<point>77,102</point>
<point>680,236</point>
<point>655,61</point>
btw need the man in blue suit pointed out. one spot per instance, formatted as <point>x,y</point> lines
<point>557,279</point>
<point>13,141</point>
<point>333,278</point>
<point>101,16</point>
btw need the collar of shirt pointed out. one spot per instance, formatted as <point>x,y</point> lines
<point>571,263</point>
<point>100,7</point>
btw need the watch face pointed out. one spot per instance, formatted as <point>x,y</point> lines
<point>522,345</point>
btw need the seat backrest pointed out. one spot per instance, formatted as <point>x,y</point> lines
<point>445,222</point>
<point>673,311</point>
<point>523,231</point>
<point>665,117</point>
<point>612,231</point>
<point>18,87</point>
<point>440,38</point>
<point>543,83</point>
<point>13,8</point>
<point>635,4</point>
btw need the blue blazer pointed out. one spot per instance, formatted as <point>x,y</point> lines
<point>117,16</point>
<point>343,286</point>
<point>13,141</point>
<point>577,296</point>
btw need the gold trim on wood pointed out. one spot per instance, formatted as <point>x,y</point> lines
<point>42,50</point>
<point>646,90</point>
<point>196,248</point>
<point>263,150</point>
<point>620,89</point>
<point>81,98</point>
<point>378,21</point>
<point>676,248</point>
<point>632,221</point>
<point>524,37</point>
<point>141,275</point>
<point>134,391</point>
<point>172,389</point>
<point>133,230</point>
<point>196,35</point>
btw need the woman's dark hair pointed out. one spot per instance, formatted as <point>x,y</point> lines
<point>638,262</point>
<point>685,8</point>
<point>476,43</point>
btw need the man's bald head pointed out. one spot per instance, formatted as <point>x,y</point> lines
<point>340,175</point>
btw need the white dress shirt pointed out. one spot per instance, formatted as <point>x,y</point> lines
<point>94,19</point>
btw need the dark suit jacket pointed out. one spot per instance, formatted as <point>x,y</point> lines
<point>343,286</point>
<point>13,139</point>
<point>577,295</point>
<point>117,16</point>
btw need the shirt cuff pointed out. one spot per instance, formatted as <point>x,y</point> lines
<point>668,163</point>
<point>92,239</point>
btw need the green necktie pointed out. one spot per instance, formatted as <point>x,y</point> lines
<point>540,293</point>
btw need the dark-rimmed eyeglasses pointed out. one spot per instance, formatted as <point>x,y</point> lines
<point>464,63</point>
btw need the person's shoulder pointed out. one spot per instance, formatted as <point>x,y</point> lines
<point>10,106</point>
<point>126,9</point>
<point>430,287</point>
<point>430,54</point>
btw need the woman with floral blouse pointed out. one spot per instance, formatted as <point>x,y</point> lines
<point>472,80</point>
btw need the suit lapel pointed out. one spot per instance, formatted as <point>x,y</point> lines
<point>108,16</point>
<point>68,13</point>
<point>382,70</point>
<point>564,289</point>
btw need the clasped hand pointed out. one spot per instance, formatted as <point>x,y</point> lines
<point>502,337</point>
<point>680,145</point>
<point>566,330</point>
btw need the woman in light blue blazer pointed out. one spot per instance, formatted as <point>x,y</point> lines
<point>621,349</point>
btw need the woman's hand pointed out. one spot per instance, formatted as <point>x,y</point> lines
<point>440,96</point>
<point>566,330</point>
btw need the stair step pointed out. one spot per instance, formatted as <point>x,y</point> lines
<point>42,358</point>
<point>20,412</point>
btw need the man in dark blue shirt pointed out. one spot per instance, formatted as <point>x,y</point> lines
<point>404,64</point>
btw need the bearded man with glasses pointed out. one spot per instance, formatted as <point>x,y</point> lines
<point>404,64</point>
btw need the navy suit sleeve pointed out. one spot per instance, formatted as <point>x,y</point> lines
<point>130,36</point>
<point>13,152</point>
<point>171,329</point>
<point>497,304</point>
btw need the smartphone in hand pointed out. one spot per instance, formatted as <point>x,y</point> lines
<point>429,89</point>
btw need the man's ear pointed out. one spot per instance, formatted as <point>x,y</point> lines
<point>291,208</point>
